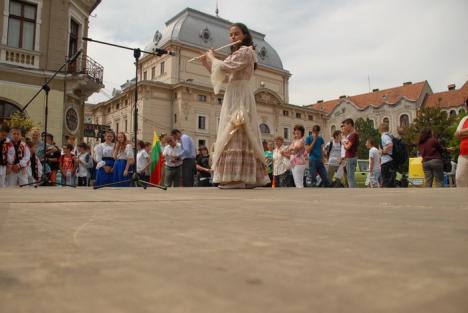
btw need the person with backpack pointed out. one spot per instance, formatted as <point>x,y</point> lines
<point>333,155</point>
<point>388,166</point>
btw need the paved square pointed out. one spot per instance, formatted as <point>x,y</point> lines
<point>209,250</point>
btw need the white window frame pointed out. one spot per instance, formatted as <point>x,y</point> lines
<point>6,15</point>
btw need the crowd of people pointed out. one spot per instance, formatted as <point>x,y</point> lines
<point>23,159</point>
<point>333,164</point>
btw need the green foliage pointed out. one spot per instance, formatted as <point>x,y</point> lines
<point>434,118</point>
<point>18,119</point>
<point>365,129</point>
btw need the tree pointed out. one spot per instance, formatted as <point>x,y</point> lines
<point>434,118</point>
<point>365,129</point>
<point>19,119</point>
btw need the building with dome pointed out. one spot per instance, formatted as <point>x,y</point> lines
<point>176,94</point>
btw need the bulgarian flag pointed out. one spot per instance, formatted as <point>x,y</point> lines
<point>157,160</point>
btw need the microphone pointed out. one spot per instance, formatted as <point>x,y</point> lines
<point>74,57</point>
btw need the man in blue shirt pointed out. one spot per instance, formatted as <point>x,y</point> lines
<point>314,145</point>
<point>188,157</point>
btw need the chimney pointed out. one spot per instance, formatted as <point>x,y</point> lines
<point>451,87</point>
<point>375,90</point>
<point>407,83</point>
<point>319,101</point>
<point>343,97</point>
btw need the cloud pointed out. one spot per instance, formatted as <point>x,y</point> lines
<point>330,47</point>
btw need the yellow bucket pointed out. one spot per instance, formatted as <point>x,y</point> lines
<point>415,172</point>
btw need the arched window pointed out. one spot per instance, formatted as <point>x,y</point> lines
<point>6,109</point>
<point>386,120</point>
<point>264,129</point>
<point>372,122</point>
<point>453,113</point>
<point>332,130</point>
<point>462,111</point>
<point>404,120</point>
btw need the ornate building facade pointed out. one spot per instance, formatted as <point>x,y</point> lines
<point>396,106</point>
<point>176,94</point>
<point>37,36</point>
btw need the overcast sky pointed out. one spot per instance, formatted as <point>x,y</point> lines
<point>330,47</point>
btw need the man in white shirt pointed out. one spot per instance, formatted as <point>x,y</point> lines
<point>143,161</point>
<point>173,156</point>
<point>188,158</point>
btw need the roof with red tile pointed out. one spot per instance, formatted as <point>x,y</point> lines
<point>390,96</point>
<point>448,99</point>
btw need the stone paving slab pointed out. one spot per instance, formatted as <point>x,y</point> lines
<point>208,250</point>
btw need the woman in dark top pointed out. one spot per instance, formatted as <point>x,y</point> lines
<point>203,168</point>
<point>431,152</point>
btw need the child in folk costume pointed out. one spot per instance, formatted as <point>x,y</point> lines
<point>18,161</point>
<point>123,155</point>
<point>35,165</point>
<point>67,165</point>
<point>83,163</point>
<point>6,148</point>
<point>238,160</point>
<point>103,154</point>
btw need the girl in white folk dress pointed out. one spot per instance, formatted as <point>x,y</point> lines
<point>124,160</point>
<point>238,160</point>
<point>103,153</point>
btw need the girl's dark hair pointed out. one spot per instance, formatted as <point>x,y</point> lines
<point>371,141</point>
<point>336,133</point>
<point>425,134</point>
<point>247,41</point>
<point>141,144</point>
<point>300,128</point>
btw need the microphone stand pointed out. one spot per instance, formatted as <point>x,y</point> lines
<point>44,180</point>
<point>135,180</point>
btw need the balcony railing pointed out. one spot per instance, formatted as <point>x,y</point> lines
<point>88,66</point>
<point>20,57</point>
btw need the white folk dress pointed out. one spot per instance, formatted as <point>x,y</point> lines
<point>238,154</point>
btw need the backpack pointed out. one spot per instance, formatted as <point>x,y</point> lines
<point>399,152</point>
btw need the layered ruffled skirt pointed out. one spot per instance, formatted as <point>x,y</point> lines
<point>238,154</point>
